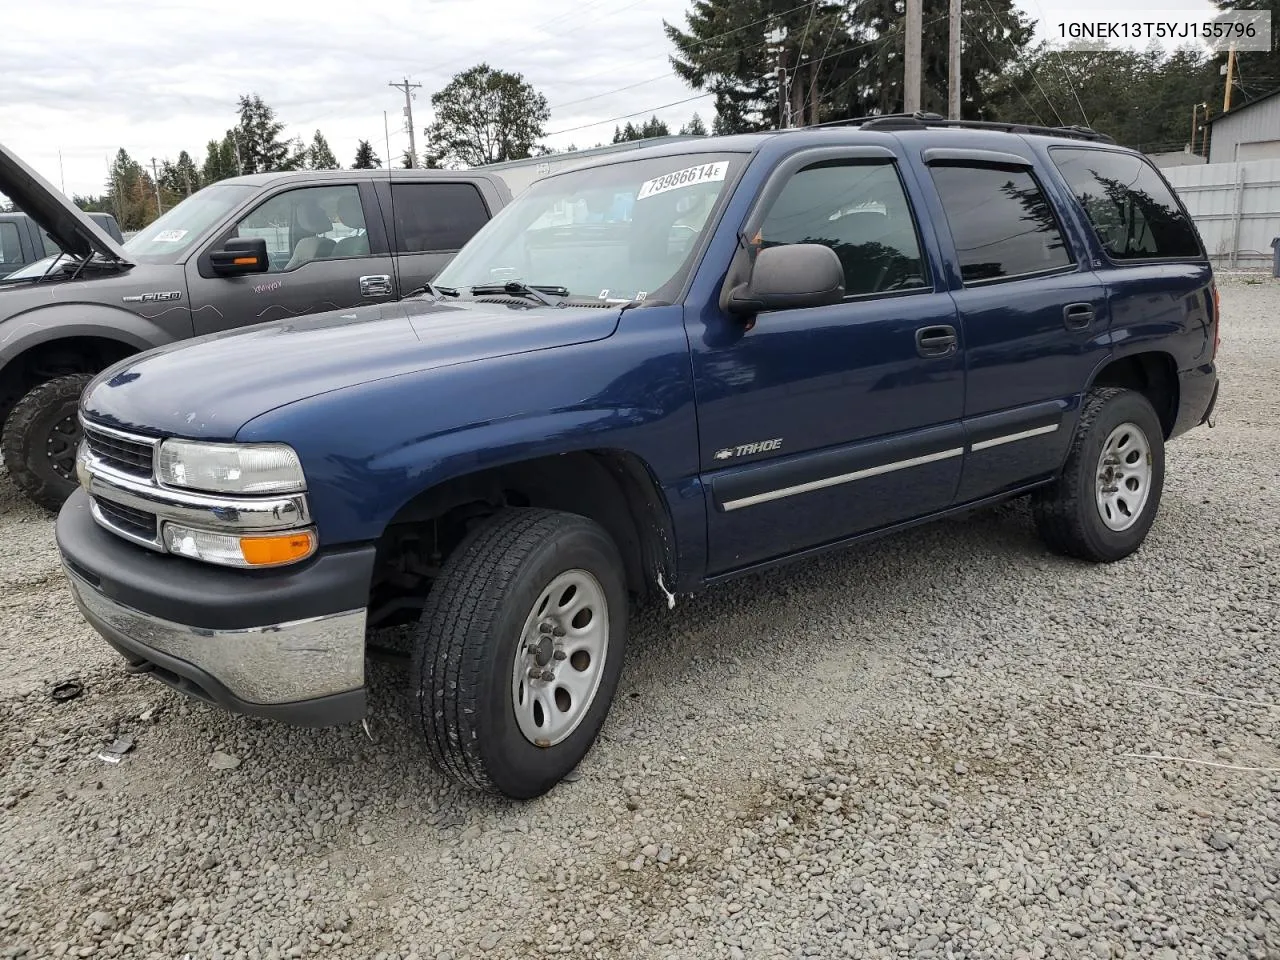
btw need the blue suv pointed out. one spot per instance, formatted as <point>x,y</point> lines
<point>642,377</point>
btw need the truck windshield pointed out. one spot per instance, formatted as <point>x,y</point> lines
<point>177,229</point>
<point>621,232</point>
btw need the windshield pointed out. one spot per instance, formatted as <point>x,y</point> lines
<point>622,232</point>
<point>171,234</point>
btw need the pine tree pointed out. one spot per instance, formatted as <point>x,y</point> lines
<point>366,159</point>
<point>319,156</point>
<point>220,160</point>
<point>694,128</point>
<point>407,160</point>
<point>258,138</point>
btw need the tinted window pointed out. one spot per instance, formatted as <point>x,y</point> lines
<point>1133,212</point>
<point>858,210</point>
<point>10,248</point>
<point>436,216</point>
<point>1001,222</point>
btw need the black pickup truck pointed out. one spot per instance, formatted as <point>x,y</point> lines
<point>22,241</point>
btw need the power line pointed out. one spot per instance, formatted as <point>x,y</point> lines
<point>1034,112</point>
<point>1062,65</point>
<point>631,116</point>
<point>1030,72</point>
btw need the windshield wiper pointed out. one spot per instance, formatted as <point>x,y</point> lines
<point>431,288</point>
<point>518,288</point>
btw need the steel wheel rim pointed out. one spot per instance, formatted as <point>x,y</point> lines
<point>60,446</point>
<point>1123,481</point>
<point>560,661</point>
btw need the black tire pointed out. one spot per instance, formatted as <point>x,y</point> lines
<point>40,439</point>
<point>1067,514</point>
<point>465,645</point>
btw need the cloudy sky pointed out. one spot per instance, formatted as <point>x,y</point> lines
<point>84,78</point>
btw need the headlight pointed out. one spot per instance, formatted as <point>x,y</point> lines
<point>230,467</point>
<point>230,550</point>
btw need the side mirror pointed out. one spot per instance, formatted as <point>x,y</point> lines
<point>788,278</point>
<point>248,255</point>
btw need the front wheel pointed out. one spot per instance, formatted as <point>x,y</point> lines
<point>40,439</point>
<point>519,649</point>
<point>1104,503</point>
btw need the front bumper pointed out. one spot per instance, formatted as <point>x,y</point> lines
<point>287,644</point>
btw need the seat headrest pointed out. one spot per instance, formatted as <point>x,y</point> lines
<point>350,212</point>
<point>312,219</point>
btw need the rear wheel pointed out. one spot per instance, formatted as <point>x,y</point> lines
<point>40,439</point>
<point>1106,499</point>
<point>519,649</point>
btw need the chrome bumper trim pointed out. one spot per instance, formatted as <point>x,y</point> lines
<point>272,664</point>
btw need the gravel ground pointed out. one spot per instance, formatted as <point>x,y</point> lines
<point>921,748</point>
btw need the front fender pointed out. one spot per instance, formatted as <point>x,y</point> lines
<point>64,321</point>
<point>368,450</point>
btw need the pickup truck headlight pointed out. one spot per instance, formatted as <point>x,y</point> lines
<point>230,467</point>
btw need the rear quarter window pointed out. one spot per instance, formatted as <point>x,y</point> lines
<point>1133,212</point>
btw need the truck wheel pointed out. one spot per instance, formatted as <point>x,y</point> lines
<point>518,652</point>
<point>40,440</point>
<point>1105,500</point>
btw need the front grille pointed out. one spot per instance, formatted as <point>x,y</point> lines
<point>138,523</point>
<point>128,456</point>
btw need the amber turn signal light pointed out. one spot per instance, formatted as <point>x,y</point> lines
<point>273,551</point>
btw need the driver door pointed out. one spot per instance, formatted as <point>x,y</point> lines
<point>327,249</point>
<point>819,423</point>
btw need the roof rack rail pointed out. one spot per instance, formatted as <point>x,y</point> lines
<point>920,121</point>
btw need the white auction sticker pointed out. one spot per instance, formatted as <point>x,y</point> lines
<point>684,178</point>
<point>170,236</point>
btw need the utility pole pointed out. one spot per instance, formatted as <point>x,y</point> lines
<point>62,174</point>
<point>953,63</point>
<point>406,86</point>
<point>155,179</point>
<point>911,59</point>
<point>1231,77</point>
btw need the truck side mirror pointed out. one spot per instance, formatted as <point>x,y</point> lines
<point>790,277</point>
<point>240,255</point>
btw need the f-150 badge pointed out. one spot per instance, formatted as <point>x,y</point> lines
<point>154,297</point>
<point>747,449</point>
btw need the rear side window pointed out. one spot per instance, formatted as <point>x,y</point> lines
<point>436,216</point>
<point>860,211</point>
<point>1134,213</point>
<point>10,247</point>
<point>1001,222</point>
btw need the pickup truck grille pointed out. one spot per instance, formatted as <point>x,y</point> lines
<point>128,456</point>
<point>135,523</point>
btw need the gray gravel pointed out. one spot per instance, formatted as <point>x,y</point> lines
<point>921,748</point>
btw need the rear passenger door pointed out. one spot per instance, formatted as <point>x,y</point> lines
<point>429,221</point>
<point>1034,315</point>
<point>325,251</point>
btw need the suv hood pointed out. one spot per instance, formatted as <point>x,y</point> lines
<point>69,226</point>
<point>210,387</point>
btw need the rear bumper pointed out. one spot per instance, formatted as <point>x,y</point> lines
<point>285,645</point>
<point>1197,396</point>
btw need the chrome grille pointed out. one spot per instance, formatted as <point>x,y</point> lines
<point>118,452</point>
<point>127,520</point>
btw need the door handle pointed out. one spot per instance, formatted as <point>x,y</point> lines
<point>378,285</point>
<point>1078,316</point>
<point>939,341</point>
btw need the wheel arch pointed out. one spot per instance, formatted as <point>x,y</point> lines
<point>614,487</point>
<point>1153,373</point>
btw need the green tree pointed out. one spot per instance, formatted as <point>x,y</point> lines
<point>220,160</point>
<point>130,192</point>
<point>366,159</point>
<point>486,116</point>
<point>407,160</point>
<point>257,137</point>
<point>694,128</point>
<point>90,204</point>
<point>319,156</point>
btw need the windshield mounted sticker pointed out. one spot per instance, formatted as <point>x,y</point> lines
<point>170,236</point>
<point>703,173</point>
